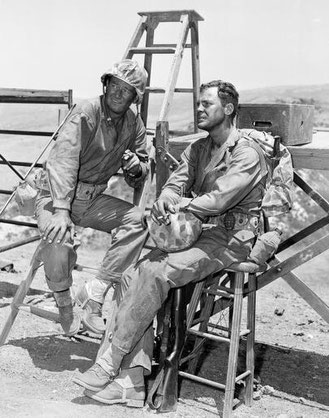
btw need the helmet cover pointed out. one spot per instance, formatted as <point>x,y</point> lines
<point>130,72</point>
<point>182,232</point>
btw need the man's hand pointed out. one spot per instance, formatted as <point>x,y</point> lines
<point>58,225</point>
<point>131,163</point>
<point>161,211</point>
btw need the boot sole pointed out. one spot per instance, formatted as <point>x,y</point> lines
<point>131,403</point>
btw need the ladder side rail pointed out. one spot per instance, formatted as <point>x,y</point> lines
<point>195,70</point>
<point>136,37</point>
<point>173,75</point>
<point>148,67</point>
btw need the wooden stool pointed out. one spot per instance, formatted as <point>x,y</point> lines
<point>222,290</point>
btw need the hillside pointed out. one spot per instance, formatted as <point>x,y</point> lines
<point>317,95</point>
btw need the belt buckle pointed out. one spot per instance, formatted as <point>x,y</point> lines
<point>229,221</point>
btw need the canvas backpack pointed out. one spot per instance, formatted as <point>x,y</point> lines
<point>276,161</point>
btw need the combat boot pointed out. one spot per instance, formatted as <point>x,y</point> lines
<point>69,319</point>
<point>92,318</point>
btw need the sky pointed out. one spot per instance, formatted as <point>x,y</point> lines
<point>69,44</point>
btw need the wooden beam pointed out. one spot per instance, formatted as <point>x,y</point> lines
<point>8,95</point>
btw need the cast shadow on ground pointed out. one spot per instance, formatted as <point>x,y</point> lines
<point>8,290</point>
<point>57,353</point>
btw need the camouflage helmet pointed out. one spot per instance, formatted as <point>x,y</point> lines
<point>182,232</point>
<point>132,73</point>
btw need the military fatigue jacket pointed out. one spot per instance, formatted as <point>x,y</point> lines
<point>232,178</point>
<point>89,149</point>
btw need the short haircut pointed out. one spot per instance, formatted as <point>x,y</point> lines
<point>227,93</point>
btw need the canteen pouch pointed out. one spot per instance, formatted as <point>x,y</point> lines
<point>25,197</point>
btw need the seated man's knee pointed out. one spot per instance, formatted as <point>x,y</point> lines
<point>59,260</point>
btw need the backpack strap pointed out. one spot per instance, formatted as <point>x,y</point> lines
<point>263,164</point>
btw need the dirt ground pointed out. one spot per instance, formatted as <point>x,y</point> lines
<point>37,363</point>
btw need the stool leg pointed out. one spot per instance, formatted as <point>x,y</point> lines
<point>234,345</point>
<point>20,294</point>
<point>250,356</point>
<point>205,313</point>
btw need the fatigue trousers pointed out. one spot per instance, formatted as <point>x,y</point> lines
<point>104,213</point>
<point>150,279</point>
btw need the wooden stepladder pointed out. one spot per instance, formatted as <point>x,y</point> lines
<point>147,25</point>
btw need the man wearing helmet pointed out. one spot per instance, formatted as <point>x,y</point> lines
<point>100,137</point>
<point>224,182</point>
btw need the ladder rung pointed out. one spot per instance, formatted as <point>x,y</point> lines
<point>242,376</point>
<point>170,45</point>
<point>43,313</point>
<point>162,90</point>
<point>152,50</point>
<point>207,335</point>
<point>202,380</point>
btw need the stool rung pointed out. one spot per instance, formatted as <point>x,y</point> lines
<point>202,380</point>
<point>242,376</point>
<point>222,293</point>
<point>207,335</point>
<point>221,327</point>
<point>226,289</point>
<point>43,313</point>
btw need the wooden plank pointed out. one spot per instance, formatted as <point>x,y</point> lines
<point>314,155</point>
<point>8,95</point>
<point>303,233</point>
<point>172,15</point>
<point>281,268</point>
